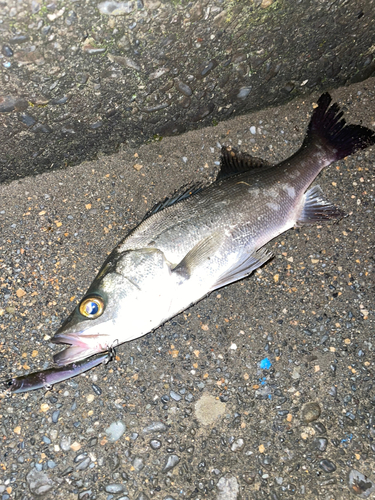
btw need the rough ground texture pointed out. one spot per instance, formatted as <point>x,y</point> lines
<point>187,412</point>
<point>79,79</point>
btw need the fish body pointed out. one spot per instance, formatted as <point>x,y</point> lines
<point>192,245</point>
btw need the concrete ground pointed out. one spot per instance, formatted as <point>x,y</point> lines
<point>264,389</point>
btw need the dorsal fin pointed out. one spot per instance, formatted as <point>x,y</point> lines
<point>181,194</point>
<point>234,162</point>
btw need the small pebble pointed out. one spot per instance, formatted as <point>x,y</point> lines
<point>85,495</point>
<point>84,464</point>
<point>155,427</point>
<point>55,416</point>
<point>359,484</point>
<point>142,496</point>
<point>320,428</point>
<point>138,464</point>
<point>310,412</point>
<point>7,51</point>
<point>243,93</point>
<point>65,443</point>
<point>171,462</point>
<point>183,88</point>
<point>228,488</point>
<point>96,389</point>
<point>321,444</point>
<point>175,396</point>
<point>189,397</point>
<point>327,465</point>
<point>59,100</point>
<point>115,488</point>
<point>237,445</point>
<point>112,8</point>
<point>39,482</point>
<point>115,431</point>
<point>155,444</point>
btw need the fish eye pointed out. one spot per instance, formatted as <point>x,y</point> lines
<point>91,307</point>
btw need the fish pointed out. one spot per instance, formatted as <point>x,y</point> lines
<point>207,237</point>
<point>45,379</point>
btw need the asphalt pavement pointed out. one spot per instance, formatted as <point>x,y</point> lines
<point>262,390</point>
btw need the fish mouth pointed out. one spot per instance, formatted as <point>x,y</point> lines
<point>81,346</point>
<point>75,338</point>
<point>71,339</point>
<point>75,353</point>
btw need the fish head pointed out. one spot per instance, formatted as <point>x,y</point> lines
<point>125,292</point>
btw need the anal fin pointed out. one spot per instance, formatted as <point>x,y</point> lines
<point>318,209</point>
<point>244,267</point>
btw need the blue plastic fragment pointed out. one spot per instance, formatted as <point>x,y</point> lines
<point>347,439</point>
<point>265,364</point>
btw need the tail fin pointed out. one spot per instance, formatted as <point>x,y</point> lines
<point>328,126</point>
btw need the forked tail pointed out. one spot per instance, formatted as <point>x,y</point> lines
<point>328,127</point>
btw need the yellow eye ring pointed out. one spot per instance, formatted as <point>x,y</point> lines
<point>91,307</point>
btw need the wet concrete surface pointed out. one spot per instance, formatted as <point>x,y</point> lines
<point>77,79</point>
<point>264,389</point>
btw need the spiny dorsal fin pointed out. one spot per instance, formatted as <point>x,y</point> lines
<point>181,194</point>
<point>234,162</point>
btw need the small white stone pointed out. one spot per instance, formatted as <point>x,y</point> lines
<point>112,8</point>
<point>228,488</point>
<point>253,130</point>
<point>233,346</point>
<point>90,398</point>
<point>115,431</point>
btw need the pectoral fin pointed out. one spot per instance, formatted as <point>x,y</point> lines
<point>317,208</point>
<point>198,255</point>
<point>244,267</point>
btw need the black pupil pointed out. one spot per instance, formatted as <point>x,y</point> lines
<point>92,308</point>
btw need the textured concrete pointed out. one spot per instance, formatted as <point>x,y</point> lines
<point>187,411</point>
<point>79,79</point>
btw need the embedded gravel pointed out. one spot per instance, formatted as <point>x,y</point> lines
<point>263,390</point>
<point>80,78</point>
